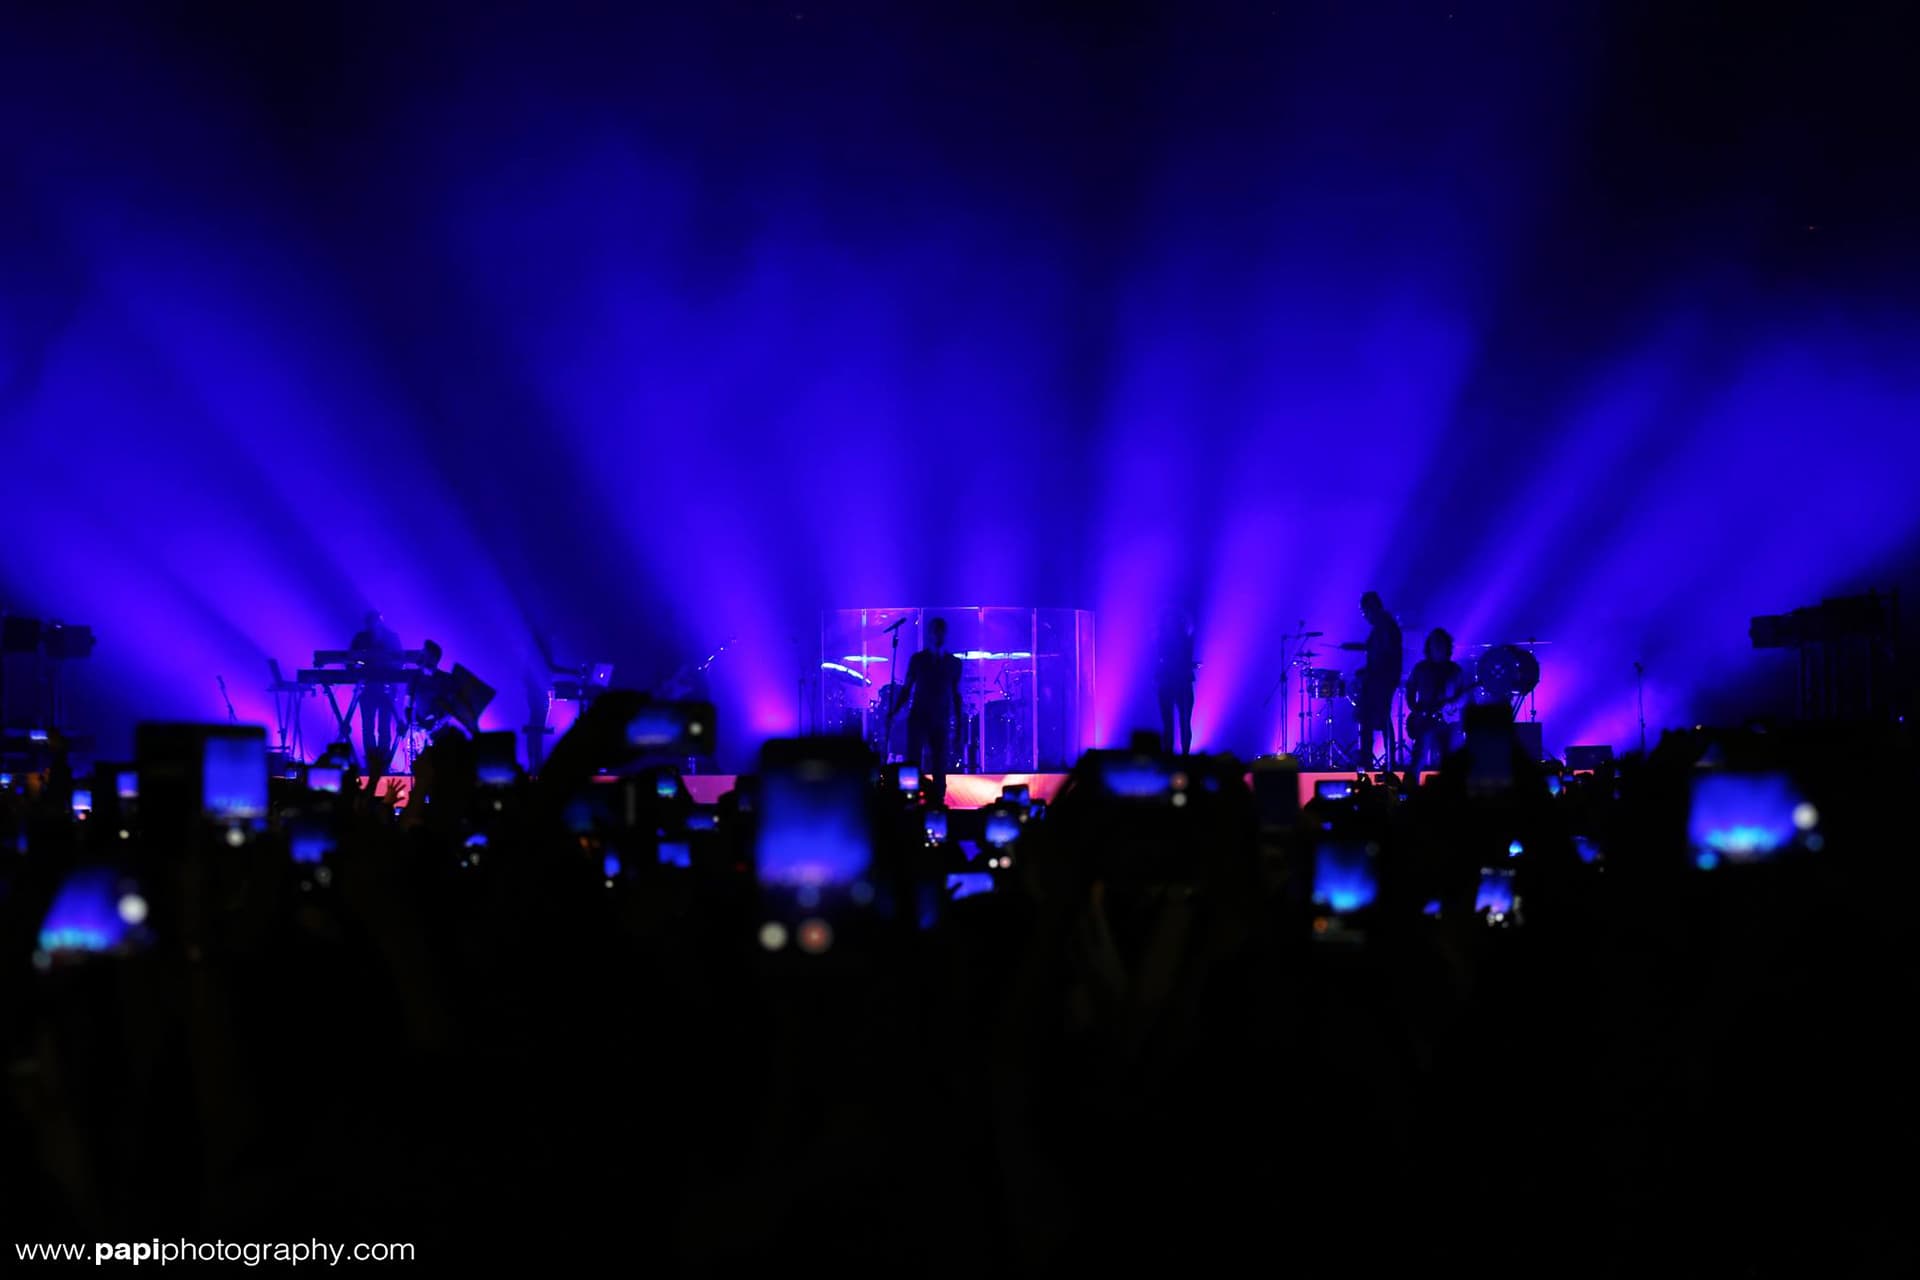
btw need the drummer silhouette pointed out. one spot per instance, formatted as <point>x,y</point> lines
<point>1379,681</point>
<point>932,698</point>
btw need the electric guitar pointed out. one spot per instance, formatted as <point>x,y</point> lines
<point>1431,719</point>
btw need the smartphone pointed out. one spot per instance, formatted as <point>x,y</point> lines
<point>310,840</point>
<point>815,822</point>
<point>1019,793</point>
<point>672,729</point>
<point>666,786</point>
<point>1555,784</point>
<point>703,820</point>
<point>967,884</point>
<point>496,760</point>
<point>233,774</point>
<point>1137,777</point>
<point>1333,789</point>
<point>1747,818</point>
<point>324,777</point>
<point>907,779</point>
<point>95,910</point>
<point>1496,897</point>
<point>82,803</point>
<point>1345,874</point>
<point>1002,828</point>
<point>126,784</point>
<point>936,825</point>
<point>676,853</point>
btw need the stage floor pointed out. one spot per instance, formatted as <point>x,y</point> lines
<point>964,790</point>
<point>978,790</point>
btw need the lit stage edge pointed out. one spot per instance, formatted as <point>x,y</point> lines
<point>964,790</point>
<point>978,790</point>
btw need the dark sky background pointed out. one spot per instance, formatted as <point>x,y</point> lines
<point>622,330</point>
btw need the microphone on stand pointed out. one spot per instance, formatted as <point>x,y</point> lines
<point>895,626</point>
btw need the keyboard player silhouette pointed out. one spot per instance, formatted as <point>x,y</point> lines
<point>376,646</point>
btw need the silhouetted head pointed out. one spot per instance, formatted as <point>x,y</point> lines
<point>937,633</point>
<point>1439,645</point>
<point>1371,608</point>
<point>373,619</point>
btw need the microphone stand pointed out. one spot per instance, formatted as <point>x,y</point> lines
<point>1281,683</point>
<point>893,692</point>
<point>232,715</point>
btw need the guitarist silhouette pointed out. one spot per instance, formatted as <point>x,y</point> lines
<point>1435,689</point>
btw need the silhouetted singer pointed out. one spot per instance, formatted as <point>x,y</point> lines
<point>1173,674</point>
<point>932,698</point>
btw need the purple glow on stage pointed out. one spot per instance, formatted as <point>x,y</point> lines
<point>660,342</point>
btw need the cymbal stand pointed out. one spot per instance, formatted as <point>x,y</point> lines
<point>1533,694</point>
<point>1284,687</point>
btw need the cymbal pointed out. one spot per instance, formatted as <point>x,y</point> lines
<point>984,655</point>
<point>864,659</point>
<point>1514,644</point>
<point>847,674</point>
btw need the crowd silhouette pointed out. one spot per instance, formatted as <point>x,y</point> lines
<point>1513,1017</point>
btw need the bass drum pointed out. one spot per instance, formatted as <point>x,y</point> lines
<point>1505,672</point>
<point>1008,729</point>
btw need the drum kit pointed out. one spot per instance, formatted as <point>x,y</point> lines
<point>996,732</point>
<point>1504,674</point>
